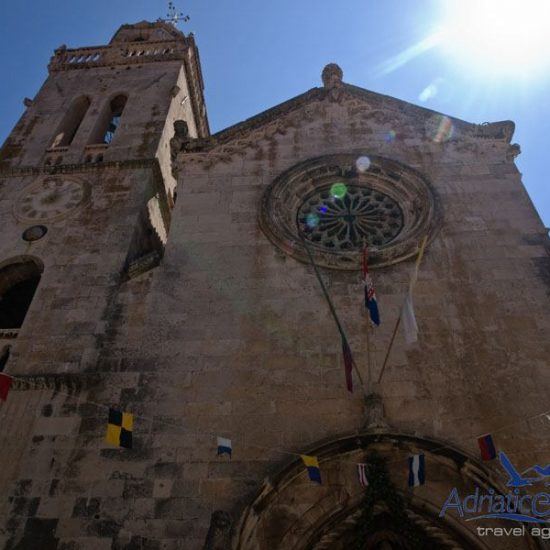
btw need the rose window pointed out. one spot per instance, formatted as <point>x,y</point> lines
<point>345,217</point>
<point>338,203</point>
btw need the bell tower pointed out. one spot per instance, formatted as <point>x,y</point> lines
<point>86,198</point>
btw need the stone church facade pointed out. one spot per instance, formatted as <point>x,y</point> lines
<point>151,267</point>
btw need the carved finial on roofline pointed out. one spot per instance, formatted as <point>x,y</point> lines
<point>332,76</point>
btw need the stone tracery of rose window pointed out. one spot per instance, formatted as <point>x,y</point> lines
<point>335,208</point>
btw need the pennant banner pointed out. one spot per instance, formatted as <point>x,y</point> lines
<point>5,385</point>
<point>119,429</point>
<point>224,446</point>
<point>487,447</point>
<point>417,472</point>
<point>312,465</point>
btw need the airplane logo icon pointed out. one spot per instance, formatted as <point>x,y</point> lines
<point>520,480</point>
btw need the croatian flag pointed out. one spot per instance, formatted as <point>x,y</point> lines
<point>417,470</point>
<point>370,296</point>
<point>224,446</point>
<point>487,447</point>
<point>362,473</point>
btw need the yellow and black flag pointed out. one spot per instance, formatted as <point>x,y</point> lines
<point>119,429</point>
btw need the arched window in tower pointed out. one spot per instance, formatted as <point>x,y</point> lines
<point>71,122</point>
<point>114,114</point>
<point>18,283</point>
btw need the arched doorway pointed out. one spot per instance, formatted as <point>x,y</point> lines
<point>19,280</point>
<point>291,513</point>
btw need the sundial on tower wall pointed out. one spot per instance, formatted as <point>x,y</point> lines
<point>50,198</point>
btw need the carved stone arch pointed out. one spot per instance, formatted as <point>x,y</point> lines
<point>113,105</point>
<point>19,279</point>
<point>292,513</point>
<point>71,121</point>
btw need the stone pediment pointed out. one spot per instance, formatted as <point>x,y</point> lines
<point>362,103</point>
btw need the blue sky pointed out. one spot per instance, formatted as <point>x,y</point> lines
<point>256,54</point>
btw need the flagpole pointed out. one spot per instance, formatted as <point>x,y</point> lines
<point>329,302</point>
<point>389,349</point>
<point>364,266</point>
<point>368,355</point>
<point>409,290</point>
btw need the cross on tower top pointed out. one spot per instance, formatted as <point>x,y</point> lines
<point>174,16</point>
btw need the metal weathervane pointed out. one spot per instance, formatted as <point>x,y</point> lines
<point>174,17</point>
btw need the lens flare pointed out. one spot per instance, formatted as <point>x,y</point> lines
<point>439,128</point>
<point>338,190</point>
<point>362,164</point>
<point>312,220</point>
<point>390,136</point>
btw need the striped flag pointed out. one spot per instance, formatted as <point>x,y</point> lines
<point>417,471</point>
<point>408,318</point>
<point>370,296</point>
<point>312,465</point>
<point>487,447</point>
<point>348,363</point>
<point>362,473</point>
<point>224,446</point>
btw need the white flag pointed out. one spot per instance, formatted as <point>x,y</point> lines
<point>409,320</point>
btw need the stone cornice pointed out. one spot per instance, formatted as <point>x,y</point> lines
<point>131,164</point>
<point>240,132</point>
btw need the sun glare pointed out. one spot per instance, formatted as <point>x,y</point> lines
<point>498,37</point>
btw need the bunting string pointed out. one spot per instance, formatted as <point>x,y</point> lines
<point>454,444</point>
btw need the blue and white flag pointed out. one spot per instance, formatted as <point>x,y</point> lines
<point>224,446</point>
<point>417,471</point>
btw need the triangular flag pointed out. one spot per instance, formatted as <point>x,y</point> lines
<point>119,429</point>
<point>312,465</point>
<point>5,385</point>
<point>370,296</point>
<point>417,471</point>
<point>224,446</point>
<point>348,363</point>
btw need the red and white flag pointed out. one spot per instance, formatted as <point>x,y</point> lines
<point>362,472</point>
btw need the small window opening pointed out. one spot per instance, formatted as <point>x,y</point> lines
<point>116,108</point>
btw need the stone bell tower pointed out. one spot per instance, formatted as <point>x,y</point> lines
<point>86,195</point>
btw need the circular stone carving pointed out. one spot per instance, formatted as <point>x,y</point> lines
<point>34,233</point>
<point>50,198</point>
<point>332,206</point>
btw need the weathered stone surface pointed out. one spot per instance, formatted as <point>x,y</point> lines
<point>230,335</point>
